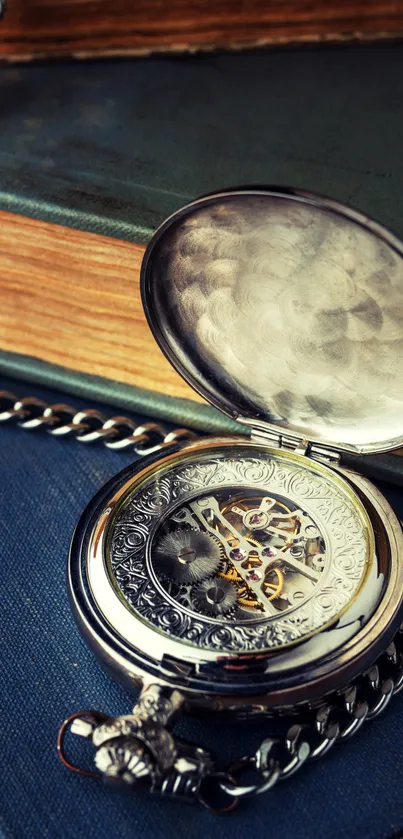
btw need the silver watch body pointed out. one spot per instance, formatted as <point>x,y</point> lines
<point>254,575</point>
<point>174,581</point>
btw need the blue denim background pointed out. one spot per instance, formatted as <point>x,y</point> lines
<point>47,672</point>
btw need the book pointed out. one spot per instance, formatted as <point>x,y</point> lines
<point>55,28</point>
<point>71,317</point>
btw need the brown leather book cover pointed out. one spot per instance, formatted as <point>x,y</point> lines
<point>44,28</point>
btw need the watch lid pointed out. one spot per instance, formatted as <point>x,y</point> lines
<point>284,308</point>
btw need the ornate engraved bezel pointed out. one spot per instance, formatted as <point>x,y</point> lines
<point>341,519</point>
<point>135,652</point>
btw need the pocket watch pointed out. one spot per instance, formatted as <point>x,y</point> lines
<point>258,574</point>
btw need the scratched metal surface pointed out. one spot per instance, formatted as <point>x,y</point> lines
<point>287,310</point>
<point>116,146</point>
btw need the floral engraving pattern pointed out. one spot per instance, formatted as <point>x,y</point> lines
<point>333,511</point>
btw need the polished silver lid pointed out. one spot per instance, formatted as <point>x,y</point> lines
<point>285,308</point>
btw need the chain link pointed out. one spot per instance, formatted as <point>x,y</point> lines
<point>316,733</point>
<point>89,426</point>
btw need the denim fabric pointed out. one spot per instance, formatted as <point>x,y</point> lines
<point>47,672</point>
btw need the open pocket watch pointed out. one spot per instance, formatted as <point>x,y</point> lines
<point>254,575</point>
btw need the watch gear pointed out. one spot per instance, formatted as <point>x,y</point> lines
<point>187,556</point>
<point>274,584</point>
<point>215,596</point>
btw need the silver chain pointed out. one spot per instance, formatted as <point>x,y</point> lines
<point>88,426</point>
<point>312,736</point>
